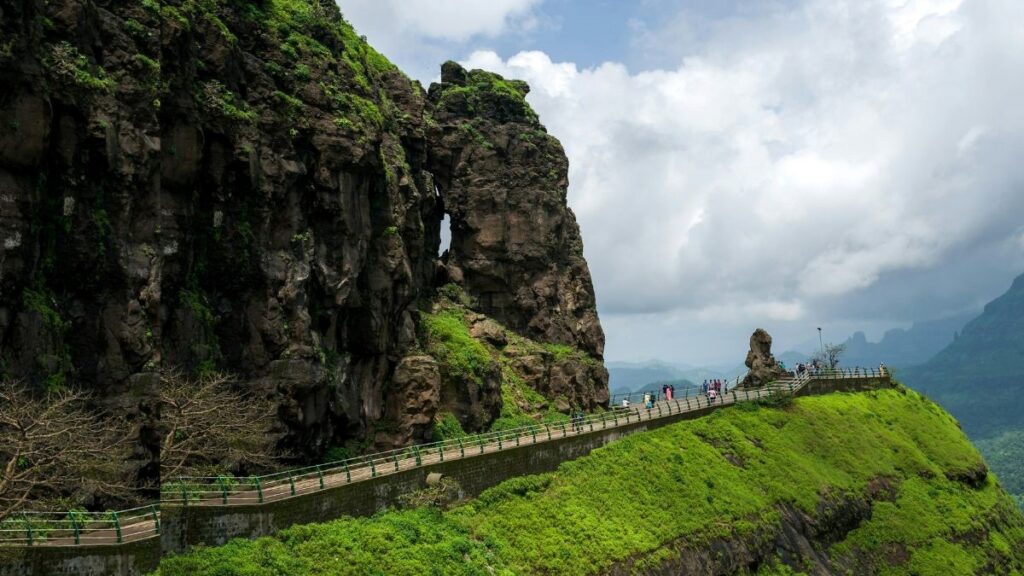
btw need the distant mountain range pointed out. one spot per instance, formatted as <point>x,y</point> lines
<point>900,348</point>
<point>627,377</point>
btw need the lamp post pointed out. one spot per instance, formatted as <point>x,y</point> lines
<point>822,343</point>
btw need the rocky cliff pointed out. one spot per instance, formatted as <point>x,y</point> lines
<point>249,187</point>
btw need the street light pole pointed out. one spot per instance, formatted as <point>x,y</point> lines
<point>822,343</point>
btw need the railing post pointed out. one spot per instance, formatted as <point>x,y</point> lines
<point>500,447</point>
<point>320,475</point>
<point>373,468</point>
<point>348,473</point>
<point>416,451</point>
<point>153,513</point>
<point>291,481</point>
<point>259,489</point>
<point>533,430</point>
<point>480,440</point>
<point>548,429</point>
<point>184,492</point>
<point>117,527</point>
<point>440,451</point>
<point>28,528</point>
<point>396,462</point>
<point>517,438</point>
<point>659,409</point>
<point>223,489</point>
<point>74,525</point>
<point>462,448</point>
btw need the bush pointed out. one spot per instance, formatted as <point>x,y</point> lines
<point>447,427</point>
<point>451,344</point>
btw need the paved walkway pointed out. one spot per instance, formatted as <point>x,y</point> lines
<point>309,480</point>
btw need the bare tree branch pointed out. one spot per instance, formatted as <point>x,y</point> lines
<point>209,427</point>
<point>57,452</point>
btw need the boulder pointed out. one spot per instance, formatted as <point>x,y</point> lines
<point>761,364</point>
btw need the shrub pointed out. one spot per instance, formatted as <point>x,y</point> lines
<point>447,427</point>
<point>451,344</point>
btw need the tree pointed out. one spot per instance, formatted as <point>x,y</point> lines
<point>209,427</point>
<point>56,452</point>
<point>830,356</point>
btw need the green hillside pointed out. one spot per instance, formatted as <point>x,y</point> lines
<point>877,483</point>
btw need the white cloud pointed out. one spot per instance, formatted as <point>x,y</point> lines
<point>456,20</point>
<point>793,160</point>
<point>419,32</point>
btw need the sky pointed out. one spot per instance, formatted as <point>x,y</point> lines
<point>785,164</point>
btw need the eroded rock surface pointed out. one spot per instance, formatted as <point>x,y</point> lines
<point>763,368</point>
<point>249,187</point>
<point>515,245</point>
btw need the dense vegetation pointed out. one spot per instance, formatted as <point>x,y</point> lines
<point>1005,454</point>
<point>720,477</point>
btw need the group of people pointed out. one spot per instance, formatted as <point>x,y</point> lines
<point>714,388</point>
<point>668,391</point>
<point>811,368</point>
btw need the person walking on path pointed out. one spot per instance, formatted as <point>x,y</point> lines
<point>712,395</point>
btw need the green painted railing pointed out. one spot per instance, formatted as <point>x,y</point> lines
<point>80,528</point>
<point>100,528</point>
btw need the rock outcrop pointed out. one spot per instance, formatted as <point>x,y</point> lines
<point>761,364</point>
<point>250,187</point>
<point>503,179</point>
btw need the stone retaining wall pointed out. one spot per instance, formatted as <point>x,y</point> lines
<point>185,526</point>
<point>129,559</point>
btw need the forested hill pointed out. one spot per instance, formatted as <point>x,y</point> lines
<point>979,378</point>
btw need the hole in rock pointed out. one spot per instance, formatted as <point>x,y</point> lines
<point>446,234</point>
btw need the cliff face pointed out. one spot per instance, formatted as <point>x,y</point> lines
<point>250,187</point>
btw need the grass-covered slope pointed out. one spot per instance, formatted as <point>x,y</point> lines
<point>888,476</point>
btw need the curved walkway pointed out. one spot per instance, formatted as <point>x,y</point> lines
<point>144,523</point>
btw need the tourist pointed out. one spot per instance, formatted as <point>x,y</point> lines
<point>712,396</point>
<point>671,392</point>
<point>625,402</point>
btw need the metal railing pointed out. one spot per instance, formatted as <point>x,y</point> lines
<point>98,528</point>
<point>228,490</point>
<point>80,528</point>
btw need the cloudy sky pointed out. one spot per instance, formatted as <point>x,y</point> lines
<point>789,164</point>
